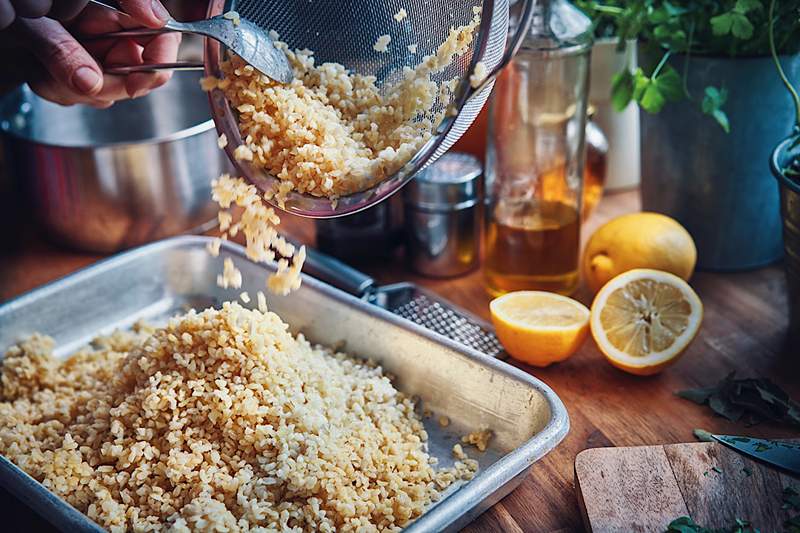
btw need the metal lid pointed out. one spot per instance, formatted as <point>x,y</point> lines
<point>451,182</point>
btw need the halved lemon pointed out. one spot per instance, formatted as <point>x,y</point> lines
<point>643,320</point>
<point>539,328</point>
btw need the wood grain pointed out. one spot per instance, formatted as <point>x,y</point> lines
<point>634,491</point>
<point>644,488</point>
<point>744,330</point>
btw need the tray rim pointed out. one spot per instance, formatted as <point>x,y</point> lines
<point>445,514</point>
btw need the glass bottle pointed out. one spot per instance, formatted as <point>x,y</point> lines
<point>596,168</point>
<point>535,156</point>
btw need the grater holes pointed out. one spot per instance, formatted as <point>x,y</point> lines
<point>450,323</point>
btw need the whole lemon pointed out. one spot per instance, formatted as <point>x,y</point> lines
<point>638,240</point>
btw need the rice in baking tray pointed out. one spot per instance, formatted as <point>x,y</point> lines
<point>220,421</point>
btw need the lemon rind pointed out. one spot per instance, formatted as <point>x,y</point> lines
<point>657,358</point>
<point>584,311</point>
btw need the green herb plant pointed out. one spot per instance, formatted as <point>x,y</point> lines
<point>685,524</point>
<point>668,28</point>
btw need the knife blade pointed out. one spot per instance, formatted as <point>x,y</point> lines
<point>783,454</point>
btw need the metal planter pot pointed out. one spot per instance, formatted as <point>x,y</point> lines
<point>786,152</point>
<point>716,184</point>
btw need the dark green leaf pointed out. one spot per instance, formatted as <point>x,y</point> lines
<point>622,90</point>
<point>721,24</point>
<point>663,32</point>
<point>670,84</point>
<point>758,399</point>
<point>658,16</point>
<point>722,119</point>
<point>640,84</point>
<point>698,396</point>
<point>745,6</point>
<point>741,27</point>
<point>673,10</point>
<point>652,100</point>
<point>723,407</point>
<point>713,99</point>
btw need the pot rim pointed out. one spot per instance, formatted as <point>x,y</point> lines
<point>179,135</point>
<point>774,163</point>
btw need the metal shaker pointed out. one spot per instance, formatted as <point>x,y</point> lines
<point>442,217</point>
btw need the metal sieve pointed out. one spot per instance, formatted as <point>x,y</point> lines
<point>344,32</point>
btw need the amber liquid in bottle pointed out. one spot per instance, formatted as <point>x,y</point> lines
<point>533,246</point>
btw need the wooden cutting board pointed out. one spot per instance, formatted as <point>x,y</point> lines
<point>644,488</point>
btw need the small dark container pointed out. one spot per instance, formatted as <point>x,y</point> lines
<point>786,152</point>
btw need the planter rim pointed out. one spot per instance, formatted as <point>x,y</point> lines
<point>775,166</point>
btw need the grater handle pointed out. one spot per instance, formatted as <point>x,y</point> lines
<point>331,270</point>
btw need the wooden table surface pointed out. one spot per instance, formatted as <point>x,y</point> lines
<point>744,330</point>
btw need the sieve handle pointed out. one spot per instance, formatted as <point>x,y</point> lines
<point>513,47</point>
<point>338,274</point>
<point>170,26</point>
<point>152,67</point>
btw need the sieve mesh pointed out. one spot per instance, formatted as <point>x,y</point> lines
<point>345,32</point>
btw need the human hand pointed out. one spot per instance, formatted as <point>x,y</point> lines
<point>60,10</point>
<point>48,54</point>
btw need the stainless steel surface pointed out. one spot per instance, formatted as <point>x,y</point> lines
<point>409,301</point>
<point>450,183</point>
<point>344,32</point>
<point>474,391</point>
<point>784,455</point>
<point>442,217</point>
<point>103,180</point>
<point>244,38</point>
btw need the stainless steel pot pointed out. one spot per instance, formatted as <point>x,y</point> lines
<point>104,180</point>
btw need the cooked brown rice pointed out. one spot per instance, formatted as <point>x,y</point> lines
<point>331,132</point>
<point>258,223</point>
<point>220,421</point>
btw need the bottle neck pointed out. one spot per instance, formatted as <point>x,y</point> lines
<point>558,28</point>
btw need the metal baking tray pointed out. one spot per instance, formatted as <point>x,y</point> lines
<point>158,280</point>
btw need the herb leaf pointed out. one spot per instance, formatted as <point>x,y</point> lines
<point>653,93</point>
<point>756,400</point>
<point>621,90</point>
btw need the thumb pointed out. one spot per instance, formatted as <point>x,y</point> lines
<point>150,13</point>
<point>62,56</point>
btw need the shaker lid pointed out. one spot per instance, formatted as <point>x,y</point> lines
<point>451,182</point>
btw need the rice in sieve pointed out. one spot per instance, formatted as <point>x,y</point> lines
<point>344,32</point>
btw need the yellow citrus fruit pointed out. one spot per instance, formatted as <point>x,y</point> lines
<point>638,240</point>
<point>539,328</point>
<point>643,320</point>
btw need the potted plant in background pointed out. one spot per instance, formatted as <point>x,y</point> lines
<point>713,111</point>
<point>621,127</point>
<point>785,164</point>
